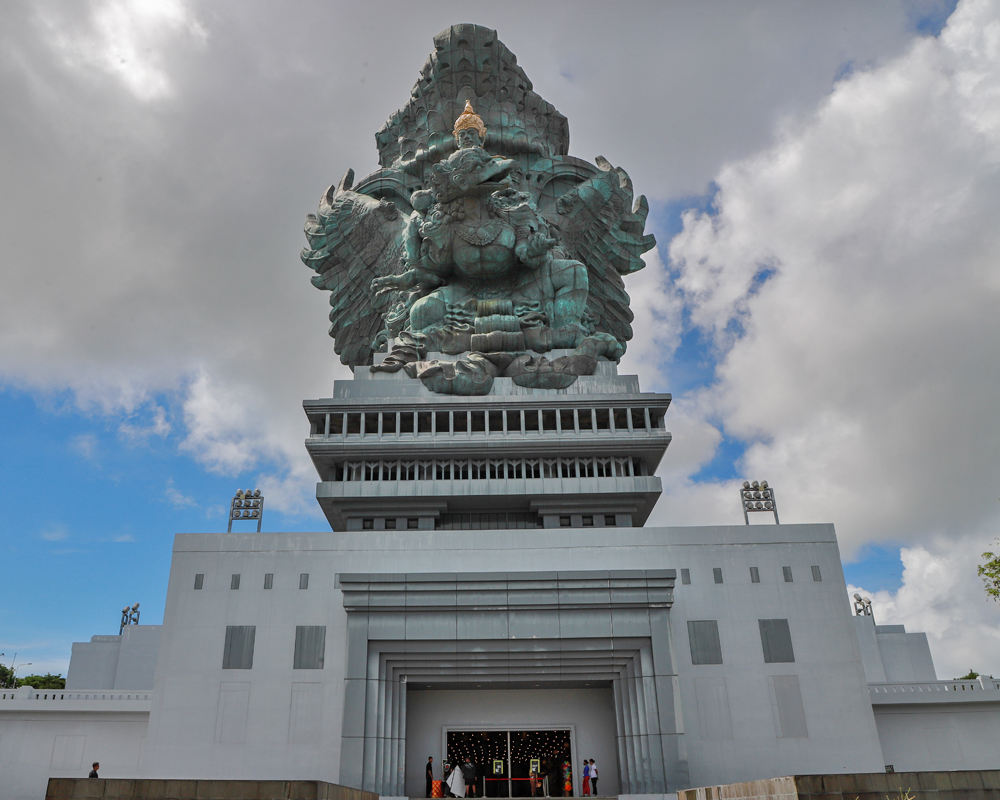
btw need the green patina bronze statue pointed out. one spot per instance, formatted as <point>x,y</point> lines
<point>485,242</point>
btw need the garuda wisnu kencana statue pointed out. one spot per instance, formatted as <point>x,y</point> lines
<point>479,238</point>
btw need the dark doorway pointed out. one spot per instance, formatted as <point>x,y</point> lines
<point>503,762</point>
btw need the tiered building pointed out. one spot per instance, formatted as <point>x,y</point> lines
<point>489,589</point>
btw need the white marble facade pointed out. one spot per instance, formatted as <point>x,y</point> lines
<point>677,656</point>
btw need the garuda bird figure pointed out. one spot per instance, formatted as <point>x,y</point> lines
<point>490,245</point>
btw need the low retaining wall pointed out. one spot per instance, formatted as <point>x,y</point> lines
<point>958,785</point>
<point>164,789</point>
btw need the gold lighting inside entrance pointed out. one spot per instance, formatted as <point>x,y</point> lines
<point>504,762</point>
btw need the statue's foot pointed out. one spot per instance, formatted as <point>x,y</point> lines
<point>567,336</point>
<point>601,345</point>
<point>409,347</point>
<point>539,373</point>
<point>391,363</point>
<point>467,377</point>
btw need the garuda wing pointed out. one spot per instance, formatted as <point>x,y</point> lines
<point>599,225</point>
<point>354,239</point>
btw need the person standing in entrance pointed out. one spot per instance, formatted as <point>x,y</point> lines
<point>585,791</point>
<point>93,772</point>
<point>469,773</point>
<point>430,776</point>
<point>593,777</point>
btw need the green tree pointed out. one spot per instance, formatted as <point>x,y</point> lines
<point>970,677</point>
<point>6,679</point>
<point>990,573</point>
<point>46,681</point>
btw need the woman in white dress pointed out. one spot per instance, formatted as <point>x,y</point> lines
<point>456,781</point>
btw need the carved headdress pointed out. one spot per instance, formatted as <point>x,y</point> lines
<point>470,119</point>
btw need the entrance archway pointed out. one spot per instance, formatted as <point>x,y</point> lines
<point>503,760</point>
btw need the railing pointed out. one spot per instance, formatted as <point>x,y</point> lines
<point>30,693</point>
<point>932,687</point>
<point>486,469</point>
<point>395,424</point>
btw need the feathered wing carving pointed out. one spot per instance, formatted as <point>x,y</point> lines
<point>354,239</point>
<point>599,225</point>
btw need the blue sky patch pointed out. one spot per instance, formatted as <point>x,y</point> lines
<point>876,567</point>
<point>928,17</point>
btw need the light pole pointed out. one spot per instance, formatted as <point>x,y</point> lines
<point>247,505</point>
<point>863,607</point>
<point>130,616</point>
<point>758,497</point>
<point>13,661</point>
<point>13,677</point>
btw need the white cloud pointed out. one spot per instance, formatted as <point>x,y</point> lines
<point>161,164</point>
<point>224,422</point>
<point>124,39</point>
<point>942,596</point>
<point>85,445</point>
<point>864,370</point>
<point>232,429</point>
<point>157,426</point>
<point>176,498</point>
<point>657,325</point>
<point>54,533</point>
<point>125,537</point>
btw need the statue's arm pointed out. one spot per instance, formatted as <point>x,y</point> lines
<point>427,256</point>
<point>426,274</point>
<point>533,248</point>
<point>411,239</point>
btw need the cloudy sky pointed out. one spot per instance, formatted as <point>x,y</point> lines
<point>824,181</point>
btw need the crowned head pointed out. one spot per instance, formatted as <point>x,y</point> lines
<point>468,124</point>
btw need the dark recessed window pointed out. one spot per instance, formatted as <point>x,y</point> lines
<point>412,523</point>
<point>717,574</point>
<point>199,580</point>
<point>304,580</point>
<point>817,576</point>
<point>238,650</point>
<point>390,524</point>
<point>609,520</point>
<point>787,573</point>
<point>754,575</point>
<point>563,522</point>
<point>703,636</point>
<point>268,580</point>
<point>685,576</point>
<point>234,582</point>
<point>776,640</point>
<point>310,647</point>
<point>588,522</point>
<point>367,524</point>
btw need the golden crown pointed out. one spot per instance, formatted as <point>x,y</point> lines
<point>470,119</point>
